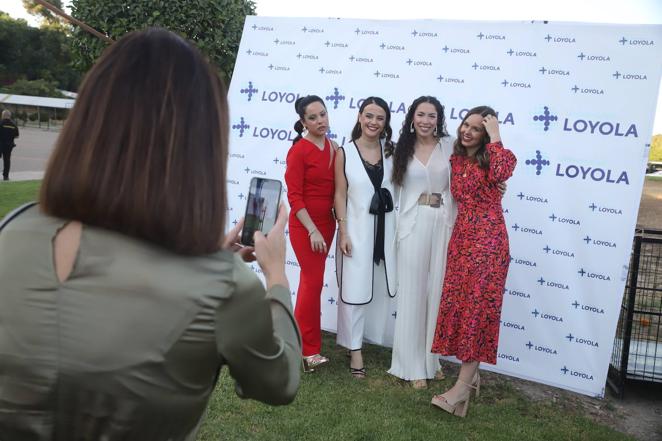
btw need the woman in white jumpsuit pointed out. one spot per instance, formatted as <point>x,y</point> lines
<point>421,174</point>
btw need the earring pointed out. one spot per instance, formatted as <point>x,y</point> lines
<point>435,131</point>
<point>411,127</point>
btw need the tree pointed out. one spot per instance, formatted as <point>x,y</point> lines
<point>214,25</point>
<point>34,54</point>
<point>48,19</point>
<point>34,88</point>
<point>656,149</point>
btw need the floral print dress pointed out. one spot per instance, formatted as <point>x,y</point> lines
<point>478,259</point>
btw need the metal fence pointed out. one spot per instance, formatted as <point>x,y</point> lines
<point>637,353</point>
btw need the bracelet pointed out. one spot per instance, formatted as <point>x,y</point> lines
<point>311,233</point>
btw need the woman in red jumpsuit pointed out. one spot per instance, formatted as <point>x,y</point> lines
<point>478,255</point>
<point>310,188</point>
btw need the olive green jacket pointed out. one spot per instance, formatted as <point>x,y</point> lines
<point>129,347</point>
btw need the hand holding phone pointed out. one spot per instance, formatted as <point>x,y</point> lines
<point>261,208</point>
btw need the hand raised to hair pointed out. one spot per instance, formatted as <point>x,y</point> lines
<point>491,124</point>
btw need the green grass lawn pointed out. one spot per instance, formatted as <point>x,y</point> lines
<point>331,405</point>
<point>13,194</point>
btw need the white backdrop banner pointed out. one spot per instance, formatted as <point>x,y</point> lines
<point>576,103</point>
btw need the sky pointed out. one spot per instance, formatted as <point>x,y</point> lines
<point>588,11</point>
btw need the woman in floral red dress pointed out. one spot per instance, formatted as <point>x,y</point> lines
<point>478,255</point>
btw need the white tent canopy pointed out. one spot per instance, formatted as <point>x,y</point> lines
<point>36,101</point>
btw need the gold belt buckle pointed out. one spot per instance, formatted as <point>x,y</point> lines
<point>437,199</point>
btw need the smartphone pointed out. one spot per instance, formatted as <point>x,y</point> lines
<point>261,208</point>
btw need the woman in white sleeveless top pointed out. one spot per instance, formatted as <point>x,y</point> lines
<point>426,213</point>
<point>366,225</point>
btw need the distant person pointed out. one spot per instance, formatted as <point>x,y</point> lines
<point>8,133</point>
<point>121,295</point>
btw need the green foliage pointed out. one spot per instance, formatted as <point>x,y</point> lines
<point>48,19</point>
<point>656,149</point>
<point>34,88</point>
<point>214,25</point>
<point>35,54</point>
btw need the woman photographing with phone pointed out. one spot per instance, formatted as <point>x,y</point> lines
<point>310,187</point>
<point>121,296</point>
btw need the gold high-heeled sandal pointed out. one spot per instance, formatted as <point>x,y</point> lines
<point>312,361</point>
<point>475,383</point>
<point>457,408</point>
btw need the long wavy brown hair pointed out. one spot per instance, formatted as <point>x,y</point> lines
<point>482,155</point>
<point>404,149</point>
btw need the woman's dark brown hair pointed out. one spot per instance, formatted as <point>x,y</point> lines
<point>386,133</point>
<point>404,149</point>
<point>482,155</point>
<point>144,150</point>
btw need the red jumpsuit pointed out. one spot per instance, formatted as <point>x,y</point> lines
<point>310,184</point>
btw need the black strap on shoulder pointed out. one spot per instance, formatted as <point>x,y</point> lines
<point>14,213</point>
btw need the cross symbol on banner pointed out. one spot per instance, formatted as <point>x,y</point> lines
<point>623,40</point>
<point>542,70</point>
<point>242,126</point>
<point>505,83</point>
<point>541,281</point>
<point>565,370</point>
<point>480,36</point>
<point>581,56</point>
<point>336,97</point>
<point>587,239</point>
<point>250,90</point>
<point>515,227</point>
<point>535,313</point>
<point>553,217</point>
<point>548,37</point>
<point>529,345</point>
<point>510,52</point>
<point>581,271</point>
<point>520,195</point>
<point>445,49</point>
<point>574,89</point>
<point>383,45</point>
<point>575,304</point>
<point>617,75</point>
<point>547,249</point>
<point>569,337</point>
<point>546,117</point>
<point>593,206</point>
<point>538,161</point>
<point>440,78</point>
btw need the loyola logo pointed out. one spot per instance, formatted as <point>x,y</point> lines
<point>250,90</point>
<point>336,97</point>
<point>242,126</point>
<point>546,118</point>
<point>538,161</point>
